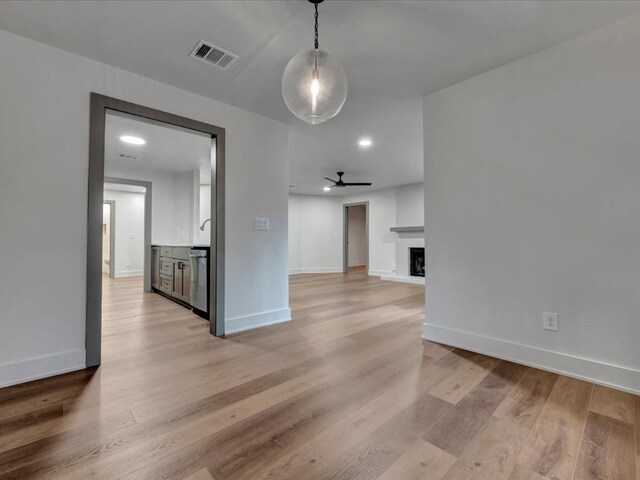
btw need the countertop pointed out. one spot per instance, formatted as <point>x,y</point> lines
<point>191,245</point>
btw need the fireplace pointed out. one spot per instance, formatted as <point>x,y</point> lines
<point>416,261</point>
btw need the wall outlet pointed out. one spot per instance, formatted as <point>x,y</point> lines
<point>262,224</point>
<point>550,321</point>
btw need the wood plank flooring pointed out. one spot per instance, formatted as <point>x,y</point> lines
<point>347,391</point>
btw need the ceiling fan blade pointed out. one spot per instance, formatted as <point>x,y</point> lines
<point>330,179</point>
<point>356,184</point>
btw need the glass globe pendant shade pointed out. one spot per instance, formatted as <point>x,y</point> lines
<point>314,86</point>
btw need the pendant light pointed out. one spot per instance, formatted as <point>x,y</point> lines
<point>314,85</point>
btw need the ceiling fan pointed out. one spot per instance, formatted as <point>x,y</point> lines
<point>340,183</point>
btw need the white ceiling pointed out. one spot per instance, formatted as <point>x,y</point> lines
<point>393,52</point>
<point>167,147</point>
<point>121,187</point>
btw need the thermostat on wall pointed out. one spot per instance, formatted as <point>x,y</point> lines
<point>262,224</point>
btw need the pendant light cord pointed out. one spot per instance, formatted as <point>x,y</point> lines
<point>316,16</point>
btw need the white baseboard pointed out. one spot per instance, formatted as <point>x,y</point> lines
<point>249,322</point>
<point>380,273</point>
<point>297,271</point>
<point>609,375</point>
<point>129,273</point>
<point>41,367</point>
<point>399,278</point>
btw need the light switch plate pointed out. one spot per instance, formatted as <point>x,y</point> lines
<point>262,224</point>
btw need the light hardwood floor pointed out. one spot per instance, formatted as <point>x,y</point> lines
<point>347,390</point>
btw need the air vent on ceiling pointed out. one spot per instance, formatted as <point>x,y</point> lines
<point>210,53</point>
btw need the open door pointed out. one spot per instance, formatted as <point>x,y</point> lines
<point>356,237</point>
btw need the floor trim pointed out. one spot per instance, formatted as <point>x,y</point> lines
<point>41,367</point>
<point>613,376</point>
<point>399,278</point>
<point>380,273</point>
<point>263,319</point>
<point>298,271</point>
<point>129,273</point>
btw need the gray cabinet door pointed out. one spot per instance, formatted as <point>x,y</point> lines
<point>166,284</point>
<point>181,279</point>
<point>177,279</point>
<point>186,282</point>
<point>166,266</point>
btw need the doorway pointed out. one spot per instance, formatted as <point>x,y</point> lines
<point>356,237</point>
<point>108,237</point>
<point>101,106</point>
<point>131,229</point>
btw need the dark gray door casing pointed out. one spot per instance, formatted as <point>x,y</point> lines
<point>99,106</point>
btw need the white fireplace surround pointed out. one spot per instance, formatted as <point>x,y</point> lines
<point>406,237</point>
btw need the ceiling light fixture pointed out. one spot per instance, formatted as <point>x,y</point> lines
<point>132,140</point>
<point>314,84</point>
<point>365,142</point>
<point>327,189</point>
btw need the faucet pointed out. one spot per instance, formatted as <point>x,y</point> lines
<point>203,224</point>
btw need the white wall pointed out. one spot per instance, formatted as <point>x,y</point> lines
<point>204,213</point>
<point>315,234</point>
<point>410,205</point>
<point>184,207</point>
<point>162,230</point>
<point>44,139</point>
<point>357,236</point>
<point>129,221</point>
<point>533,200</point>
<point>174,202</point>
<point>106,238</point>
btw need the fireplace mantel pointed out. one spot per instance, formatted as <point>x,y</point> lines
<point>419,228</point>
<point>405,238</point>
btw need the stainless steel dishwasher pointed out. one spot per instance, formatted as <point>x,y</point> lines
<point>199,299</point>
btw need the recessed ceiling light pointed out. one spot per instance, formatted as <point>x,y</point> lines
<point>327,189</point>
<point>132,140</point>
<point>364,142</point>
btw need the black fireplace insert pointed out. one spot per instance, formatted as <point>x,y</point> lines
<point>416,261</point>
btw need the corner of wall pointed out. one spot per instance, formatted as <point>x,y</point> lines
<point>609,375</point>
<point>41,367</point>
<point>263,319</point>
